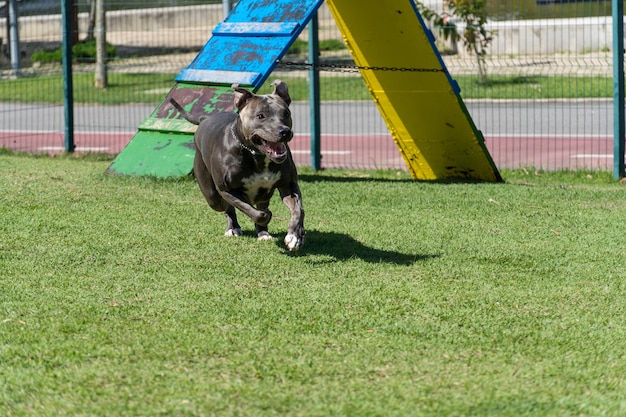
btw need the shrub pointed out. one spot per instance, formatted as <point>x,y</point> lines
<point>82,52</point>
<point>301,47</point>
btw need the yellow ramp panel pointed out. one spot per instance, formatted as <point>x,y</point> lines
<point>414,92</point>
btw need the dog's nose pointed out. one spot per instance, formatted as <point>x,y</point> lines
<point>285,133</point>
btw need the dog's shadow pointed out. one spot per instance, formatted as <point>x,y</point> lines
<point>328,247</point>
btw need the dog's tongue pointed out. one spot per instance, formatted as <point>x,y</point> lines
<point>275,149</point>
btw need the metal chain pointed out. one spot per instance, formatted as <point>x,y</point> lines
<point>353,68</point>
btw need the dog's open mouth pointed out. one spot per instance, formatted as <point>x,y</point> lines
<point>276,151</point>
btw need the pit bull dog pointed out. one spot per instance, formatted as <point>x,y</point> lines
<point>241,158</point>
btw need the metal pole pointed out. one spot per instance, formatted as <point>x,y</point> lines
<point>14,37</point>
<point>619,130</point>
<point>68,88</point>
<point>226,6</point>
<point>314,93</point>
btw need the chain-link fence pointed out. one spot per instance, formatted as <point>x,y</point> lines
<point>545,101</point>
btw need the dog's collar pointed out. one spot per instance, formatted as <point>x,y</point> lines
<point>232,132</point>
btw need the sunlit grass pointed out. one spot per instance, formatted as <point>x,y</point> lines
<point>152,88</point>
<point>121,296</point>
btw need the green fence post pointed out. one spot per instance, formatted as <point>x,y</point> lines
<point>314,92</point>
<point>618,89</point>
<point>68,87</point>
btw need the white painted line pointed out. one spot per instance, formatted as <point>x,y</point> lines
<point>60,132</point>
<point>78,148</point>
<point>592,155</point>
<point>306,152</point>
<point>348,135</point>
<point>573,136</point>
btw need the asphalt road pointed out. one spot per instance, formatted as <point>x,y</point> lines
<point>500,118</point>
<point>547,134</point>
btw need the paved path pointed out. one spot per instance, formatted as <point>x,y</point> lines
<point>545,134</point>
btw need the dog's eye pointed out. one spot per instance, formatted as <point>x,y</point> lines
<point>260,116</point>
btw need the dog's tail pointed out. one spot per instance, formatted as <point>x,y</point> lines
<point>188,116</point>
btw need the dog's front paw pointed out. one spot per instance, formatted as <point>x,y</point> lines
<point>265,236</point>
<point>233,232</point>
<point>294,242</point>
<point>263,217</point>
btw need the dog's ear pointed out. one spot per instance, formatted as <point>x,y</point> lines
<point>281,90</point>
<point>241,96</point>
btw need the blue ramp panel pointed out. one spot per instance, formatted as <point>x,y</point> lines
<point>245,47</point>
<point>244,50</point>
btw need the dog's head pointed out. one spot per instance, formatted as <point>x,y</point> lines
<point>266,120</point>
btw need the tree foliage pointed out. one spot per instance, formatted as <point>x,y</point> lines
<point>472,14</point>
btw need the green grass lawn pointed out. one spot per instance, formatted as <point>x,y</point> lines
<point>121,296</point>
<point>151,88</point>
<point>123,88</point>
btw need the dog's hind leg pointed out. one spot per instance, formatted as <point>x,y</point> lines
<point>232,226</point>
<point>213,197</point>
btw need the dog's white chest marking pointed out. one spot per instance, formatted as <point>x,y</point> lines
<point>263,180</point>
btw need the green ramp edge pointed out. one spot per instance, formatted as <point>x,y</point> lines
<point>156,154</point>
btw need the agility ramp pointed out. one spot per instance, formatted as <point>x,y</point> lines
<point>390,44</point>
<point>413,90</point>
<point>243,49</point>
